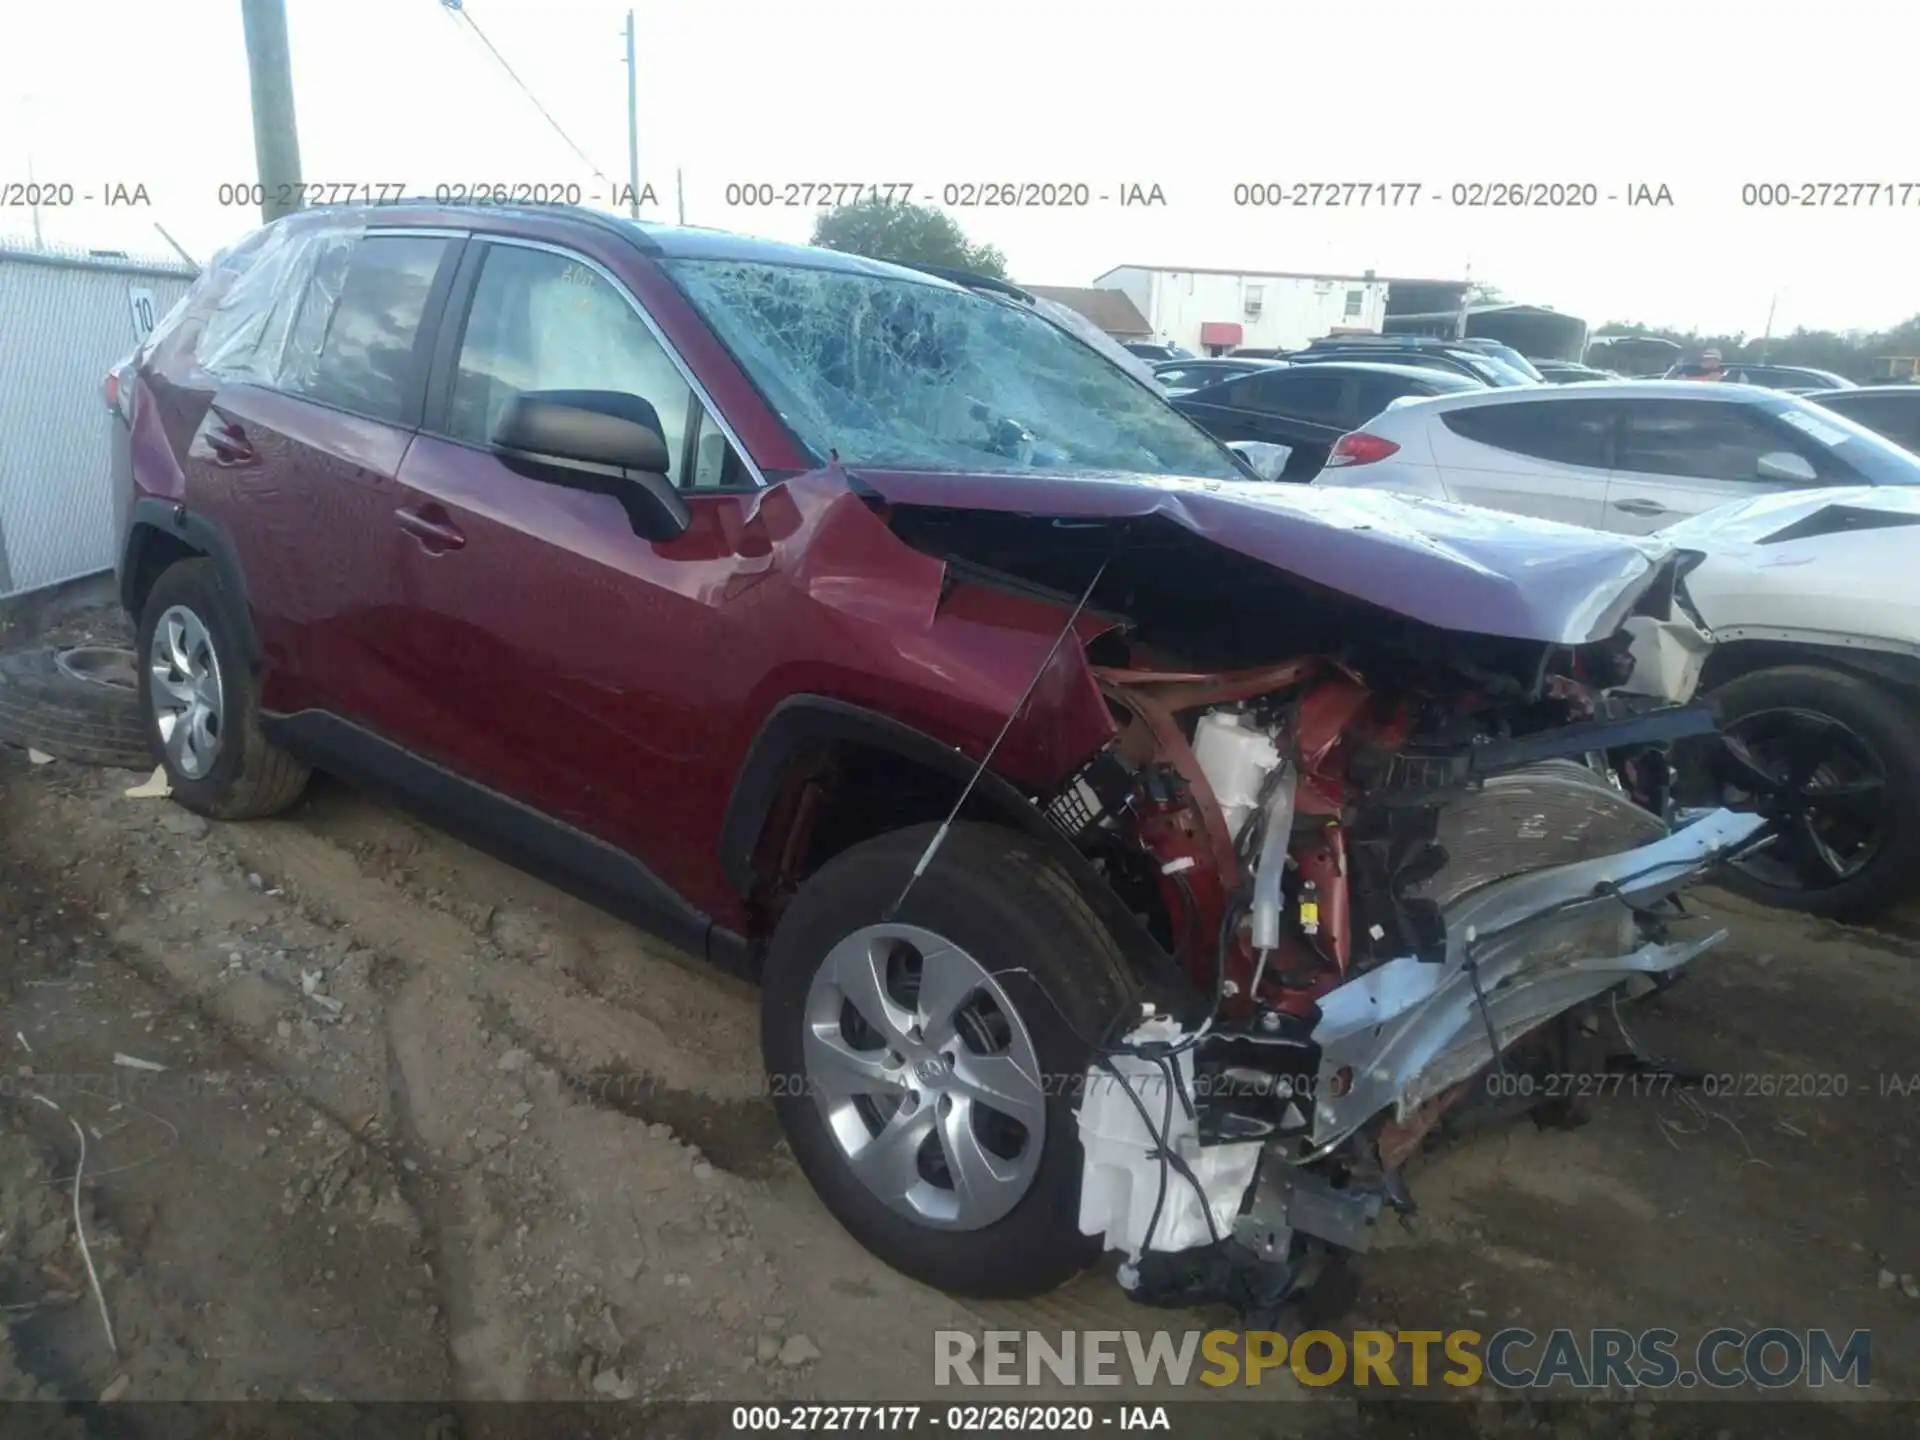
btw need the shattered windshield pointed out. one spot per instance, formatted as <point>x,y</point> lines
<point>916,375</point>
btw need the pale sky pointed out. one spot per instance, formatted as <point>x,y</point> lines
<point>1700,96</point>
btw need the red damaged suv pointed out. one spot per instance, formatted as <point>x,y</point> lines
<point>1132,853</point>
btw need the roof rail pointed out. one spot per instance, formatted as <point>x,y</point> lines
<point>1411,342</point>
<point>629,230</point>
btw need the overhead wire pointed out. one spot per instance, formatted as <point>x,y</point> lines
<point>459,12</point>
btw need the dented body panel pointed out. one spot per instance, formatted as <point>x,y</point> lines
<point>1831,567</point>
<point>1455,567</point>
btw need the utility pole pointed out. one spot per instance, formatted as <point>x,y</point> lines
<point>680,194</point>
<point>276,140</point>
<point>1767,339</point>
<point>633,127</point>
<point>33,190</point>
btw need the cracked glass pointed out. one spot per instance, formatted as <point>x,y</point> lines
<point>912,374</point>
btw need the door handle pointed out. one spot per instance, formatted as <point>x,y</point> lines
<point>432,527</point>
<point>229,443</point>
<point>1641,507</point>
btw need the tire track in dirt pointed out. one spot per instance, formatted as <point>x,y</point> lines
<point>651,1056</point>
<point>655,1051</point>
<point>247,1241</point>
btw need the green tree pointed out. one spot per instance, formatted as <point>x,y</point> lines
<point>897,230</point>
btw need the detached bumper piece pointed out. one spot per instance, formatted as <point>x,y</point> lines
<point>1536,945</point>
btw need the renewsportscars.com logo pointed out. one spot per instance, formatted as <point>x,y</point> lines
<point>1514,1359</point>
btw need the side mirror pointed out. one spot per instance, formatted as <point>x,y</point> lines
<point>602,441</point>
<point>1787,467</point>
<point>1269,461</point>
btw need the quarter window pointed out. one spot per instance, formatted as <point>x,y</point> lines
<point>1567,432</point>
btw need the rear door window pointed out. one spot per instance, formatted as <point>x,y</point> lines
<point>1567,432</point>
<point>1302,394</point>
<point>1376,392</point>
<point>367,360</point>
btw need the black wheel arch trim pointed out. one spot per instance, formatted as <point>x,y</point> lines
<point>1743,657</point>
<point>803,720</point>
<point>152,516</point>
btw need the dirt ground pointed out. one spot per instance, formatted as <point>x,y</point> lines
<point>428,1129</point>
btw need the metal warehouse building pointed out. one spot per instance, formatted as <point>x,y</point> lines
<point>65,318</point>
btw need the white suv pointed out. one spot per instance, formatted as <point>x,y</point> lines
<point>1631,456</point>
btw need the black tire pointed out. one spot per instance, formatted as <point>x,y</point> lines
<point>994,894</point>
<point>45,708</point>
<point>250,776</point>
<point>1886,727</point>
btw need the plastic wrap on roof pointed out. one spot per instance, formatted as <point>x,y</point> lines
<point>271,300</point>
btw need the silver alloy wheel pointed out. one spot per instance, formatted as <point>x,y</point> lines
<point>183,676</point>
<point>925,1075</point>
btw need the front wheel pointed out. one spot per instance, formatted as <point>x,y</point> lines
<point>925,1064</point>
<point>1833,760</point>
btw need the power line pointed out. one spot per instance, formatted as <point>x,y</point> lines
<point>458,9</point>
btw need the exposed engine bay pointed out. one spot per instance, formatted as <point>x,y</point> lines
<point>1382,892</point>
<point>1387,861</point>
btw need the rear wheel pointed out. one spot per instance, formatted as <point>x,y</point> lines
<point>1834,761</point>
<point>199,701</point>
<point>925,1064</point>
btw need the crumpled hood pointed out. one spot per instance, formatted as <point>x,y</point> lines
<point>1458,567</point>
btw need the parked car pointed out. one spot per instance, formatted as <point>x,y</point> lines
<point>1500,350</point>
<point>1470,345</point>
<point>875,636</point>
<point>1306,408</point>
<point>1476,365</point>
<point>1570,372</point>
<point>1182,377</point>
<point>1770,377</point>
<point>1629,456</point>
<point>1813,601</point>
<point>1154,351</point>
<point>1889,410</point>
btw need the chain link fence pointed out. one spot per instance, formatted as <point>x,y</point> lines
<point>66,317</point>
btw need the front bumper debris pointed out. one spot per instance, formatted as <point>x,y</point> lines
<point>1407,1030</point>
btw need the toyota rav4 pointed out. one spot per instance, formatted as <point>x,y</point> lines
<point>1131,853</point>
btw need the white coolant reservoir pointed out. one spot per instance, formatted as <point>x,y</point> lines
<point>1235,755</point>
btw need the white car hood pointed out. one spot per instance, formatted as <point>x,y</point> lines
<point>1835,566</point>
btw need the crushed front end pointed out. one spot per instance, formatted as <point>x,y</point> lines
<point>1386,881</point>
<point>1389,781</point>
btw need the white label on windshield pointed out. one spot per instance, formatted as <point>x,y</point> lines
<point>1807,425</point>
